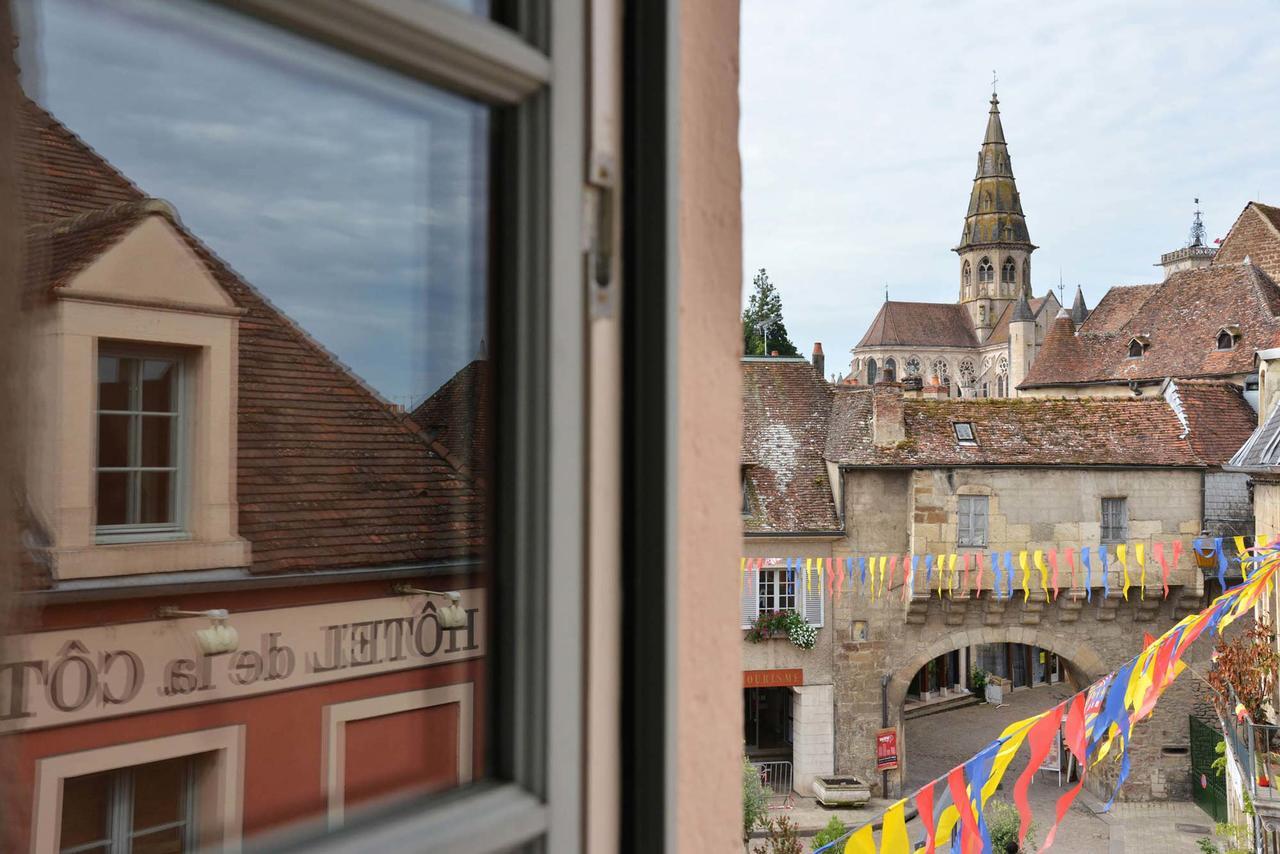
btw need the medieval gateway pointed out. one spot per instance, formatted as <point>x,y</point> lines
<point>1003,484</point>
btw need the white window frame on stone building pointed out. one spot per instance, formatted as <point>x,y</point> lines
<point>774,588</point>
<point>1114,527</point>
<point>972,513</point>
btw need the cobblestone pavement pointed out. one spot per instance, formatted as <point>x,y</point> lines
<point>937,743</point>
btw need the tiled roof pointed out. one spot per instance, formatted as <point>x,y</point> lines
<point>1261,453</point>
<point>456,415</point>
<point>1181,318</point>
<point>1218,418</point>
<point>924,323</point>
<point>58,249</point>
<point>328,475</point>
<point>785,405</point>
<point>1017,432</point>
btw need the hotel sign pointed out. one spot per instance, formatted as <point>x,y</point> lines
<point>76,675</point>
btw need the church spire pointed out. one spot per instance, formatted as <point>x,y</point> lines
<point>995,131</point>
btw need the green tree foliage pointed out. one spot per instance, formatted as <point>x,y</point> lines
<point>833,831</point>
<point>755,800</point>
<point>765,302</point>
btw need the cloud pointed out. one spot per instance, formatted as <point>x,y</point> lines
<point>861,123</point>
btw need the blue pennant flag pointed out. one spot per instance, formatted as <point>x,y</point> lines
<point>1008,575</point>
<point>928,569</point>
<point>1106,582</point>
<point>1222,562</point>
<point>994,559</point>
<point>1088,573</point>
<point>862,570</point>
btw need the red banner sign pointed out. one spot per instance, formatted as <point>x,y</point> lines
<point>772,678</point>
<point>886,749</point>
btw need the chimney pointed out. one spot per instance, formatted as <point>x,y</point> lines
<point>911,386</point>
<point>774,353</point>
<point>935,391</point>
<point>887,426</point>
<point>819,360</point>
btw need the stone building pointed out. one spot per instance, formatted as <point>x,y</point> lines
<point>848,473</point>
<point>983,344</point>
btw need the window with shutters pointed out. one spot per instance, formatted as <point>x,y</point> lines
<point>1115,520</point>
<point>971,527</point>
<point>777,588</point>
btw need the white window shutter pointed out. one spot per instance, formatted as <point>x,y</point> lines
<point>749,598</point>
<point>812,612</point>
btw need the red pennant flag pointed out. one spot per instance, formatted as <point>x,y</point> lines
<point>839,581</point>
<point>1158,550</point>
<point>1147,639</point>
<point>1075,738</point>
<point>831,579</point>
<point>1176,548</point>
<point>924,806</point>
<point>960,797</point>
<point>906,583</point>
<point>977,558</point>
<point>1040,738</point>
<point>966,573</point>
<point>893,569</point>
<point>1071,562</point>
<point>1053,562</point>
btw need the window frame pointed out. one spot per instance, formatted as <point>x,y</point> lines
<point>972,541</point>
<point>121,832</point>
<point>960,427</point>
<point>538,316</point>
<point>135,532</point>
<point>1104,530</point>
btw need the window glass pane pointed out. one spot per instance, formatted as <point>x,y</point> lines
<point>113,498</point>
<point>157,433</point>
<point>157,385</point>
<point>167,841</point>
<point>155,502</point>
<point>85,809</point>
<point>114,376</point>
<point>113,440</point>
<point>159,793</point>
<point>334,225</point>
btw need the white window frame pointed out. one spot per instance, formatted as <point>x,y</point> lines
<point>776,590</point>
<point>1106,533</point>
<point>120,828</point>
<point>176,527</point>
<point>966,536</point>
<point>809,599</point>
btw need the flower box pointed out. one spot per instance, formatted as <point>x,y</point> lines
<point>841,791</point>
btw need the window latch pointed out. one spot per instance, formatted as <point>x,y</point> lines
<point>599,202</point>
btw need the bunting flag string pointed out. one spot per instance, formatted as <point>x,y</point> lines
<point>1094,723</point>
<point>964,573</point>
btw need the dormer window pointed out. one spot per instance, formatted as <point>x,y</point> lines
<point>1138,346</point>
<point>1227,337</point>
<point>746,494</point>
<point>964,432</point>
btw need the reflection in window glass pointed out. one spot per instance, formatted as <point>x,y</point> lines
<point>267,277</point>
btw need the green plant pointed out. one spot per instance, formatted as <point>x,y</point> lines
<point>1244,670</point>
<point>1219,765</point>
<point>833,831</point>
<point>978,681</point>
<point>781,838</point>
<point>1236,837</point>
<point>1207,845</point>
<point>789,623</point>
<point>1002,822</point>
<point>755,799</point>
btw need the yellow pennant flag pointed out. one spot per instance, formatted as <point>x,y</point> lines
<point>808,567</point>
<point>1141,557</point>
<point>884,561</point>
<point>1038,559</point>
<point>893,838</point>
<point>862,841</point>
<point>1121,551</point>
<point>1026,576</point>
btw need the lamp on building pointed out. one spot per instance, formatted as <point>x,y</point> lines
<point>216,639</point>
<point>451,616</point>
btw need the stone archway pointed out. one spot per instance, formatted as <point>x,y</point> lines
<point>1086,662</point>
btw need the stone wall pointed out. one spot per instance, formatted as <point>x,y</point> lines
<point>892,512</point>
<point>1251,237</point>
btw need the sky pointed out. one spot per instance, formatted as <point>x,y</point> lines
<point>861,123</point>
<point>352,199</point>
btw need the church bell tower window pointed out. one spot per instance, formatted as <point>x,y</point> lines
<point>1008,272</point>
<point>986,272</point>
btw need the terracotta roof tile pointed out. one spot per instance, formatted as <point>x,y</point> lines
<point>925,323</point>
<point>1219,420</point>
<point>1181,317</point>
<point>785,406</point>
<point>456,415</point>
<point>1019,431</point>
<point>1000,332</point>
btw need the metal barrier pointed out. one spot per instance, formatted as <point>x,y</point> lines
<point>777,778</point>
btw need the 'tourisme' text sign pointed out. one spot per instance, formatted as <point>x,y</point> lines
<point>70,676</point>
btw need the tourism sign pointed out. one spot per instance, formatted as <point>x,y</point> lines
<point>886,749</point>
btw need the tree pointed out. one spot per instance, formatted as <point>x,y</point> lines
<point>755,800</point>
<point>1244,670</point>
<point>765,304</point>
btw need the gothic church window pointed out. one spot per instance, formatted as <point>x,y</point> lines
<point>967,371</point>
<point>986,201</point>
<point>913,366</point>
<point>890,370</point>
<point>986,272</point>
<point>966,278</point>
<point>1026,274</point>
<point>1008,272</point>
<point>871,371</point>
<point>940,370</point>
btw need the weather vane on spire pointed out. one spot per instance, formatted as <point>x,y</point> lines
<point>1198,235</point>
<point>994,80</point>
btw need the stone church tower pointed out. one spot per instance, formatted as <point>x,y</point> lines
<point>995,249</point>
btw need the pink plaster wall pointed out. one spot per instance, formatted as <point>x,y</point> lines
<point>708,730</point>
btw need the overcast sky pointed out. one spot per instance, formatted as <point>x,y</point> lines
<point>353,199</point>
<point>861,123</point>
